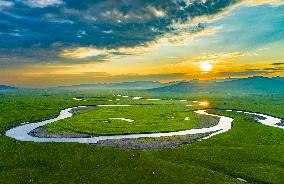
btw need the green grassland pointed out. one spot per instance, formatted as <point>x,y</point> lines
<point>249,150</point>
<point>147,118</point>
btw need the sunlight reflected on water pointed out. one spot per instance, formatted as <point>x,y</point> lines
<point>204,103</point>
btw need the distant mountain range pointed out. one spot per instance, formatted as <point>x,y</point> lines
<point>122,85</point>
<point>252,85</point>
<point>5,87</point>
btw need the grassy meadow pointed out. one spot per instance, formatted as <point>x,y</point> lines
<point>249,151</point>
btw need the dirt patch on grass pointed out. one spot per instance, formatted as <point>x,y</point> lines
<point>153,143</point>
<point>43,133</point>
<point>207,121</point>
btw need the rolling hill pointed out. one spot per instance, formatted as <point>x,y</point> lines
<point>122,85</point>
<point>252,85</point>
<point>5,87</point>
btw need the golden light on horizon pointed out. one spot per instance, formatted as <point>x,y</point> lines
<point>205,66</point>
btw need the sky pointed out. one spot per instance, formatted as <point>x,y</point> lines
<point>46,43</point>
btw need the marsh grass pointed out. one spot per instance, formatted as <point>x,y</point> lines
<point>147,118</point>
<point>249,150</point>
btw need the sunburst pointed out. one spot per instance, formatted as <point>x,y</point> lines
<point>205,66</point>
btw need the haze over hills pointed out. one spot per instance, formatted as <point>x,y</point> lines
<point>122,85</point>
<point>252,85</point>
<point>6,87</point>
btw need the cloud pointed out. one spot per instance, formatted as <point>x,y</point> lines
<point>242,73</point>
<point>211,59</point>
<point>218,57</point>
<point>119,27</point>
<point>101,24</point>
<point>276,69</point>
<point>6,4</point>
<point>14,58</point>
<point>42,3</point>
<point>91,53</point>
<point>252,72</point>
<point>83,52</point>
<point>277,64</point>
<point>259,2</point>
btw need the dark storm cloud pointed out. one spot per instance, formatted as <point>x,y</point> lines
<point>14,57</point>
<point>26,24</point>
<point>100,23</point>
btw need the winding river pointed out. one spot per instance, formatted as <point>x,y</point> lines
<point>22,132</point>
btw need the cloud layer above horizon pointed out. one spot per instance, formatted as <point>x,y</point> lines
<point>58,32</point>
<point>55,24</point>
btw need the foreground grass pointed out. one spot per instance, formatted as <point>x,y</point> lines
<point>250,151</point>
<point>75,163</point>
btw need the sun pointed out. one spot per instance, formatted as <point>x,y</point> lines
<point>205,66</point>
